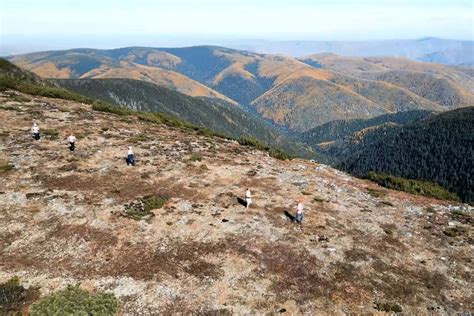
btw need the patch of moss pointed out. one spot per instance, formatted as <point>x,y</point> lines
<point>375,193</point>
<point>6,167</point>
<point>388,307</point>
<point>195,157</point>
<point>142,208</point>
<point>319,199</point>
<point>463,217</point>
<point>455,231</point>
<point>139,138</point>
<point>51,133</point>
<point>76,301</point>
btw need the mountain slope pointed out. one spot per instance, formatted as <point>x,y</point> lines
<point>341,128</point>
<point>300,94</point>
<point>443,85</point>
<point>169,235</point>
<point>215,115</point>
<point>91,63</point>
<point>439,149</point>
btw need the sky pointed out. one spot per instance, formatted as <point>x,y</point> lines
<point>29,25</point>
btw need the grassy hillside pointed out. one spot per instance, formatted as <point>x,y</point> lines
<point>443,85</point>
<point>214,114</point>
<point>439,149</point>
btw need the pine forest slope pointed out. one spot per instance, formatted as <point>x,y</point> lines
<point>438,148</point>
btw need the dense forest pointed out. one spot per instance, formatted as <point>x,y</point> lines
<point>341,128</point>
<point>439,149</point>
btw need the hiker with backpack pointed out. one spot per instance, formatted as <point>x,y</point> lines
<point>72,142</point>
<point>130,157</point>
<point>35,131</point>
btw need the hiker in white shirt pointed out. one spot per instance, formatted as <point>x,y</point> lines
<point>130,157</point>
<point>35,131</point>
<point>72,142</point>
<point>299,212</point>
<point>248,198</point>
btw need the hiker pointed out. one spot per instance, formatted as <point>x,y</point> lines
<point>130,157</point>
<point>72,142</point>
<point>299,212</point>
<point>35,131</point>
<point>248,198</point>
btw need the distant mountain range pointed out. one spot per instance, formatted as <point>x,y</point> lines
<point>296,94</point>
<point>429,49</point>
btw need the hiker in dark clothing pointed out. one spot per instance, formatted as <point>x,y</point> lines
<point>130,157</point>
<point>299,212</point>
<point>35,131</point>
<point>72,142</point>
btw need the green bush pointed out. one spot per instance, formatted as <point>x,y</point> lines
<point>195,157</point>
<point>412,186</point>
<point>6,167</point>
<point>375,193</point>
<point>388,307</point>
<point>142,208</point>
<point>75,301</point>
<point>14,297</point>
<point>51,133</point>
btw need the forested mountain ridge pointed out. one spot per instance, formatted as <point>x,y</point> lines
<point>299,94</point>
<point>341,128</point>
<point>439,148</point>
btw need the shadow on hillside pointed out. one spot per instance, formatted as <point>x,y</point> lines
<point>289,216</point>
<point>242,201</point>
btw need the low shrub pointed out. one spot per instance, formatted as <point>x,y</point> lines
<point>424,188</point>
<point>139,138</point>
<point>455,231</point>
<point>195,157</point>
<point>76,301</point>
<point>375,193</point>
<point>6,167</point>
<point>14,298</point>
<point>142,208</point>
<point>50,133</point>
<point>388,307</point>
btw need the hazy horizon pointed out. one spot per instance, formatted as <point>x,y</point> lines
<point>63,24</point>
